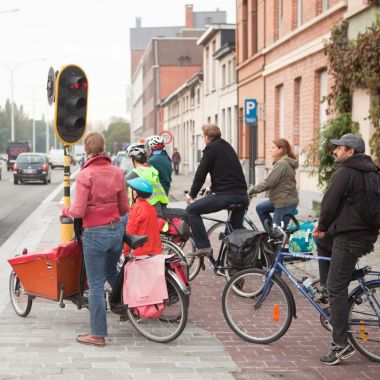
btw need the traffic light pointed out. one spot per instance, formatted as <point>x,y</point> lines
<point>70,104</point>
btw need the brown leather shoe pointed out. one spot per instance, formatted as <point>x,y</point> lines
<point>93,340</point>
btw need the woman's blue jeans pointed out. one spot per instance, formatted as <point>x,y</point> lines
<point>265,208</point>
<point>102,247</point>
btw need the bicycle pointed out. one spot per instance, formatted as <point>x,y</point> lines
<point>259,306</point>
<point>222,228</point>
<point>163,329</point>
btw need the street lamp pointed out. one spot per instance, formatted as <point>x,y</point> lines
<point>33,90</point>
<point>12,70</point>
<point>9,11</point>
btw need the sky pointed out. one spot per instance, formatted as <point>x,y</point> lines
<point>93,34</point>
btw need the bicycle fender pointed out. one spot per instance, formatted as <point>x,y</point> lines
<point>358,288</point>
<point>185,289</point>
<point>291,297</point>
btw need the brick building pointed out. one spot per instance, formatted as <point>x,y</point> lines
<point>162,58</point>
<point>281,63</point>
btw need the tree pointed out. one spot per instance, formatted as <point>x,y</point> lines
<point>117,134</point>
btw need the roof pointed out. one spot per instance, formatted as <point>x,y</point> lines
<point>213,29</point>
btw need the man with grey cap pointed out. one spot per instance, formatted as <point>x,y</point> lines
<point>343,234</point>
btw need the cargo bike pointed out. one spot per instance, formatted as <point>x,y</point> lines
<point>59,274</point>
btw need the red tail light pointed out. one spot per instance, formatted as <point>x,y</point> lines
<point>44,168</point>
<point>14,167</point>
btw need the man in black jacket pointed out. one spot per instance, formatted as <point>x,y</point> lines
<point>347,235</point>
<point>228,187</point>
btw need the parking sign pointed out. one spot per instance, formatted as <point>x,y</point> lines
<point>250,111</point>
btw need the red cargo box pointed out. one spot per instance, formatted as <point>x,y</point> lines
<point>44,274</point>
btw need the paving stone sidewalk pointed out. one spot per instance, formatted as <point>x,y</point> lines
<point>42,346</point>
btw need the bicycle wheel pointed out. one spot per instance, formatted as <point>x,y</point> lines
<point>215,234</point>
<point>170,248</point>
<point>21,302</point>
<point>171,323</point>
<point>264,324</point>
<point>364,325</point>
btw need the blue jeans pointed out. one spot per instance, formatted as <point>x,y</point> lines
<point>101,248</point>
<point>265,208</point>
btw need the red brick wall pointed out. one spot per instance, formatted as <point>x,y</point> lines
<point>172,77</point>
<point>299,128</point>
<point>135,59</point>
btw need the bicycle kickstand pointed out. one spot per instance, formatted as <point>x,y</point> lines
<point>203,265</point>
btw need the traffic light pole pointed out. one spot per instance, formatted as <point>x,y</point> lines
<point>67,224</point>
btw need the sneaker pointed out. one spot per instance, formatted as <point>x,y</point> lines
<point>337,354</point>
<point>200,252</point>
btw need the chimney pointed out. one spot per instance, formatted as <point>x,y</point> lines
<point>189,16</point>
<point>138,22</point>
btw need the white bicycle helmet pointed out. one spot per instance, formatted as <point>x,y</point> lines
<point>156,140</point>
<point>137,150</point>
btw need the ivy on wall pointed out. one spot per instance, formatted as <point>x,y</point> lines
<point>352,64</point>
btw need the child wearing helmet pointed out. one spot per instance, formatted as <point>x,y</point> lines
<point>139,156</point>
<point>142,218</point>
<point>160,160</point>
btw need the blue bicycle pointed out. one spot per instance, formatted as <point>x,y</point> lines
<point>259,306</point>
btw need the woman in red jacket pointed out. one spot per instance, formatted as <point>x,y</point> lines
<point>100,199</point>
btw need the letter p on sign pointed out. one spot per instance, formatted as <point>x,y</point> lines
<point>250,111</point>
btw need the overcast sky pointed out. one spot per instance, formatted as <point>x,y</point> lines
<point>93,34</point>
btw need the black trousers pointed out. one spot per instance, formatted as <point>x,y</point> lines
<point>210,204</point>
<point>336,274</point>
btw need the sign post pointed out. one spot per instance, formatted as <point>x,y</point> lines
<point>250,118</point>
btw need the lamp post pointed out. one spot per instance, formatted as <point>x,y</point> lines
<point>12,70</point>
<point>9,11</point>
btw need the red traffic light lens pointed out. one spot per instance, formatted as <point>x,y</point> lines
<point>76,83</point>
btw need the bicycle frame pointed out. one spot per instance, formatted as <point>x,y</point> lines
<point>279,268</point>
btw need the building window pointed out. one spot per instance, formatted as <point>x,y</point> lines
<point>198,96</point>
<point>229,125</point>
<point>279,112</point>
<point>229,73</point>
<point>244,31</point>
<point>296,115</point>
<point>325,5</point>
<point>223,75</point>
<point>213,65</point>
<point>223,126</point>
<point>323,92</point>
<point>206,69</point>
<point>280,17</point>
<point>253,26</point>
<point>299,13</point>
<point>234,70</point>
<point>216,119</point>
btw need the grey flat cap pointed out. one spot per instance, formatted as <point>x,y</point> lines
<point>352,141</point>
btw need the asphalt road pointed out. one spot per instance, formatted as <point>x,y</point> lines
<point>18,201</point>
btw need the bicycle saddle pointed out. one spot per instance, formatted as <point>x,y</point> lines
<point>235,206</point>
<point>135,241</point>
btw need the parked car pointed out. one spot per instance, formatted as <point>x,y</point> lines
<point>56,158</point>
<point>32,167</point>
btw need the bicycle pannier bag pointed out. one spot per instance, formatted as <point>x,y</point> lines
<point>302,240</point>
<point>242,248</point>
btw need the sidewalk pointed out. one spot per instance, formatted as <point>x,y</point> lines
<point>42,346</point>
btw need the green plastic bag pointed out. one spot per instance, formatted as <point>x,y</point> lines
<point>302,241</point>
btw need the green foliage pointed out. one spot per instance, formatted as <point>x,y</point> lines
<point>321,150</point>
<point>23,128</point>
<point>356,64</point>
<point>117,133</point>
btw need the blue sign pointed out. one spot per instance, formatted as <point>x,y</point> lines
<point>250,111</point>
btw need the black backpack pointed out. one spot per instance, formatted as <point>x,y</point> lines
<point>242,248</point>
<point>369,204</point>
